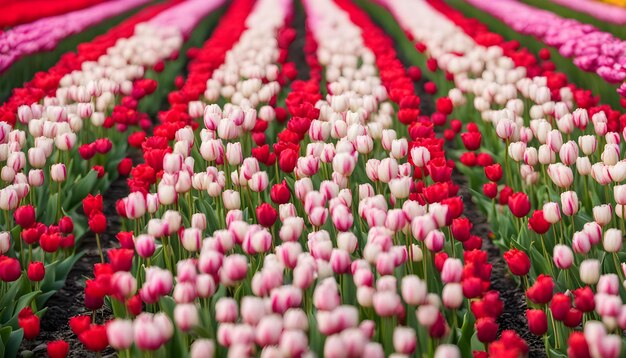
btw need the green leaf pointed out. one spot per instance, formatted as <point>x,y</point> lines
<point>79,191</point>
<point>15,340</point>
<point>22,302</point>
<point>467,331</point>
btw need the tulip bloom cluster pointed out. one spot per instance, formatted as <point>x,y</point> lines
<point>542,136</point>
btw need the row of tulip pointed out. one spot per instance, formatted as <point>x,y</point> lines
<point>21,12</point>
<point>68,142</point>
<point>357,265</point>
<point>46,33</point>
<point>555,252</point>
<point>19,67</point>
<point>605,12</point>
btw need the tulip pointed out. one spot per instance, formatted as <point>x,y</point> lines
<point>58,173</point>
<point>9,269</point>
<point>486,329</point>
<point>202,348</point>
<point>589,271</point>
<point>120,334</point>
<point>569,203</point>
<point>577,346</point>
<point>25,216</point>
<point>452,295</point>
<point>58,349</point>
<point>413,290</point>
<point>541,292</point>
<point>612,240</point>
<point>404,340</point>
<point>29,322</point>
<point>519,204</point>
<point>36,271</point>
<point>518,262</point>
<point>563,257</point>
<point>186,316</point>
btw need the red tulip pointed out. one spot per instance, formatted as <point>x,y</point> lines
<point>124,167</point>
<point>92,204</point>
<point>490,190</point>
<point>133,305</point>
<point>444,105</point>
<point>473,243</point>
<point>87,151</point>
<point>537,223</point>
<point>287,160</point>
<point>50,243</point>
<point>126,239</point>
<point>36,271</point>
<point>280,193</point>
<point>577,346</point>
<point>10,269</point>
<point>541,292</point>
<point>430,87</point>
<point>573,318</point>
<point>27,320</point>
<point>489,306</point>
<point>518,262</point>
<point>98,222</point>
<point>472,287</point>
<point>95,338</point>
<point>58,349</point>
<point>461,229</point>
<point>266,215</point>
<point>471,140</point>
<point>121,259</point>
<point>505,194</point>
<point>519,204</point>
<point>486,329</point>
<point>468,159</point>
<point>484,159</point>
<point>25,216</point>
<point>431,63</point>
<point>584,299</point>
<point>559,306</point>
<point>66,225</point>
<point>103,145</point>
<point>415,73</point>
<point>440,259</point>
<point>30,236</point>
<point>100,170</point>
<point>80,324</point>
<point>537,321</point>
<point>94,294</point>
<point>493,172</point>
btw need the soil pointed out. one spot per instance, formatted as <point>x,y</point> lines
<point>69,301</point>
<point>514,315</point>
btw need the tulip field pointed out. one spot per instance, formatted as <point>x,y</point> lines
<point>313,178</point>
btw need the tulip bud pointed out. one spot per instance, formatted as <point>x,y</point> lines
<point>589,271</point>
<point>612,240</point>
